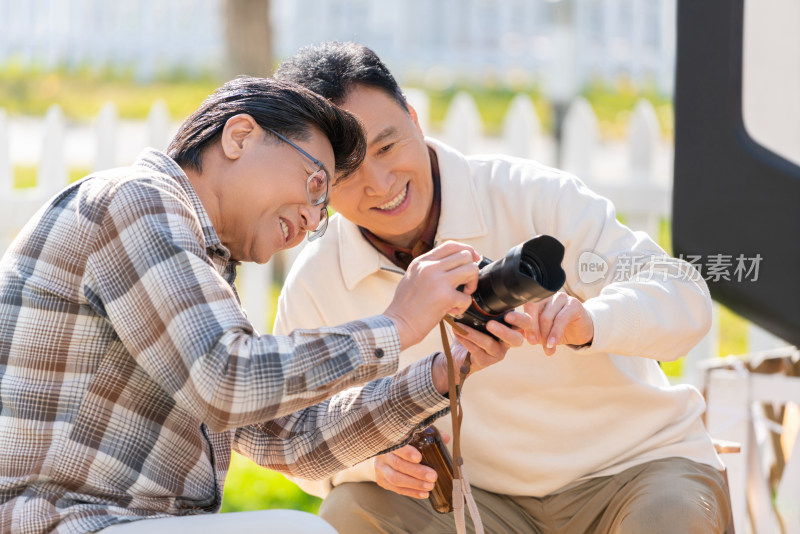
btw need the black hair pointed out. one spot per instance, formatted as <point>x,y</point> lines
<point>285,107</point>
<point>331,69</point>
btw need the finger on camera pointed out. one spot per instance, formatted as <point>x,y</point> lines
<point>476,351</point>
<point>462,331</point>
<point>571,312</point>
<point>519,321</point>
<point>465,275</point>
<point>449,248</point>
<point>455,260</point>
<point>460,304</point>
<point>487,345</point>
<point>550,343</point>
<point>534,309</point>
<point>507,335</point>
<point>473,336</point>
<point>549,351</point>
<point>471,285</point>
<point>560,324</point>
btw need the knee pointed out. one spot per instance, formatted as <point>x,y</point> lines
<point>356,506</point>
<point>673,512</point>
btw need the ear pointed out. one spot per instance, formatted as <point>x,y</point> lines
<point>414,117</point>
<point>236,133</point>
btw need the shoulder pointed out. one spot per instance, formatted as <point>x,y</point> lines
<point>499,169</point>
<point>129,189</point>
<point>524,181</point>
<point>128,203</point>
<point>528,171</point>
<point>146,187</point>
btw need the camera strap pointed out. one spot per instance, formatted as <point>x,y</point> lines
<point>461,489</point>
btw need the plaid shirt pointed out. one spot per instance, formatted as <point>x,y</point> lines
<point>129,371</point>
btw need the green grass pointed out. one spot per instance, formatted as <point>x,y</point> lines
<point>732,332</point>
<point>251,487</point>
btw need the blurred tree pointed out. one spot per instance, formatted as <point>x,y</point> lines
<point>249,38</point>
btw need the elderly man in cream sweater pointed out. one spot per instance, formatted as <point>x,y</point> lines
<point>579,431</point>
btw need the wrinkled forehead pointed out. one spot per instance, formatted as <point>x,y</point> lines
<point>380,115</point>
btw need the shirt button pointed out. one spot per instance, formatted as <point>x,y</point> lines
<point>379,352</point>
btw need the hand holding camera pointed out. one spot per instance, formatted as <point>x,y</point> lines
<point>430,289</point>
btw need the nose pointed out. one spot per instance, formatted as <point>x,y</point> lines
<point>310,217</point>
<point>378,179</point>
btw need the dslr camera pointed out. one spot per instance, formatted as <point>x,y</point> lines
<point>529,272</point>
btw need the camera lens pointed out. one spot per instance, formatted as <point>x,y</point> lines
<point>532,269</point>
<point>528,272</point>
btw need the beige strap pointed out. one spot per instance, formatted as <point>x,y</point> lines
<point>461,489</point>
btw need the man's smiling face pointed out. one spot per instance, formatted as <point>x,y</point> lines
<point>392,192</point>
<point>265,207</point>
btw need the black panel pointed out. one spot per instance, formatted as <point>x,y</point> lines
<point>732,196</point>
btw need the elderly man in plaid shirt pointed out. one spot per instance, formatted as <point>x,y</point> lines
<point>128,369</point>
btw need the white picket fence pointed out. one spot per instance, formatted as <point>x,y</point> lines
<point>635,173</point>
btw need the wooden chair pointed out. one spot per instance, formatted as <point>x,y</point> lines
<point>727,447</point>
<point>755,401</point>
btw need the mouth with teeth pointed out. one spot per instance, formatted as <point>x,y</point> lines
<point>285,230</point>
<point>394,203</point>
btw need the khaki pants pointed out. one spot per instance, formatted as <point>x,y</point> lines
<point>267,521</point>
<point>674,495</point>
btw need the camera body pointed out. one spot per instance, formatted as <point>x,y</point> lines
<point>529,272</point>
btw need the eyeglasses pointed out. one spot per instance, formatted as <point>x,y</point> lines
<point>317,187</point>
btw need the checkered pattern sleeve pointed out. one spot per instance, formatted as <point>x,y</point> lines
<point>349,428</point>
<point>149,274</point>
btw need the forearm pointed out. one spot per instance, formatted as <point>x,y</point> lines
<point>246,379</point>
<point>349,428</point>
<point>644,302</point>
<point>657,319</point>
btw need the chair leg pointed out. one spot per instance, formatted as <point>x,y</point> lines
<point>730,529</point>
